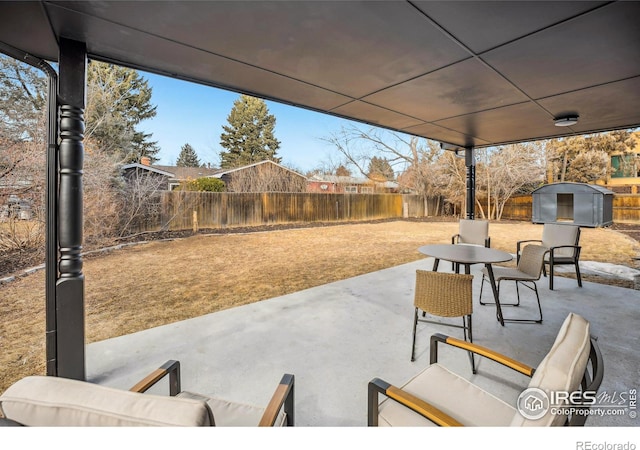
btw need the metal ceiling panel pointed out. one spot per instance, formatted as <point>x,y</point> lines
<point>118,43</point>
<point>353,48</point>
<point>376,115</point>
<point>508,124</point>
<point>24,25</point>
<point>448,92</point>
<point>469,73</point>
<point>481,26</point>
<point>443,134</point>
<point>599,47</point>
<point>604,107</point>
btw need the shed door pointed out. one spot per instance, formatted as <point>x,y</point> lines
<point>564,213</point>
<point>547,204</point>
<point>585,211</point>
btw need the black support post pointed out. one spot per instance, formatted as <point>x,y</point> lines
<point>70,285</point>
<point>470,162</point>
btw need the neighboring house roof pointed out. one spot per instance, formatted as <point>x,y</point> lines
<point>148,168</point>
<point>221,172</point>
<point>338,179</point>
<point>191,173</point>
<point>187,173</point>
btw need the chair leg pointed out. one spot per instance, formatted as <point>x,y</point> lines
<point>535,289</point>
<point>551,275</point>
<point>413,345</point>
<point>493,303</point>
<point>468,326</point>
<point>578,275</point>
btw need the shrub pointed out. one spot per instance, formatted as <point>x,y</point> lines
<point>204,184</point>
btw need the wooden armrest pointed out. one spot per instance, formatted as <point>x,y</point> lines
<point>283,395</point>
<point>171,368</point>
<point>479,350</point>
<point>412,402</point>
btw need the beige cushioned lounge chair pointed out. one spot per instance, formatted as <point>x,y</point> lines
<point>53,401</point>
<point>439,397</point>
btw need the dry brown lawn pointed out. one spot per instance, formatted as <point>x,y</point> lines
<point>157,283</point>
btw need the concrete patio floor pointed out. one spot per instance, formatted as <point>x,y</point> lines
<point>335,338</point>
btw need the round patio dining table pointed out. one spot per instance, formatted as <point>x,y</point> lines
<point>467,255</point>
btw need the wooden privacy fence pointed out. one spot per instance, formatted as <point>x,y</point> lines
<point>626,208</point>
<point>217,210</point>
<point>518,208</point>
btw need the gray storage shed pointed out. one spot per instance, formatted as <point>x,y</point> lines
<point>587,205</point>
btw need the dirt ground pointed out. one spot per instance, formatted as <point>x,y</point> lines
<point>185,275</point>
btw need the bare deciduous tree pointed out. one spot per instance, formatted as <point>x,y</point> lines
<point>139,200</point>
<point>266,177</point>
<point>511,169</point>
<point>416,159</point>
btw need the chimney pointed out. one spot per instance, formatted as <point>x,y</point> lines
<point>145,161</point>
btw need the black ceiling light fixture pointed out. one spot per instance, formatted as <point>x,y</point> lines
<point>566,121</point>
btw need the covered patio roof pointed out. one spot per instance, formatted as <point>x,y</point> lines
<point>472,74</point>
<point>469,74</point>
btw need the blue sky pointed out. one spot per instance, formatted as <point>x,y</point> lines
<point>194,114</point>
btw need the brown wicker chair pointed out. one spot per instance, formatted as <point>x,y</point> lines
<point>527,273</point>
<point>444,295</point>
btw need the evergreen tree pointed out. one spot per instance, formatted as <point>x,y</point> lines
<point>342,171</point>
<point>188,157</point>
<point>118,99</point>
<point>380,169</point>
<point>249,136</point>
<point>23,100</point>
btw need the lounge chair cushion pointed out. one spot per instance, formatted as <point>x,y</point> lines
<point>563,367</point>
<point>555,235</point>
<point>53,401</point>
<point>231,414</point>
<point>473,232</point>
<point>451,394</point>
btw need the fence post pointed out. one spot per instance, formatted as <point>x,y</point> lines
<point>195,221</point>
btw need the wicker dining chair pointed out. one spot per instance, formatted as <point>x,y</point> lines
<point>529,270</point>
<point>444,295</point>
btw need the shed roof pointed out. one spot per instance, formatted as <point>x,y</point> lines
<point>569,187</point>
